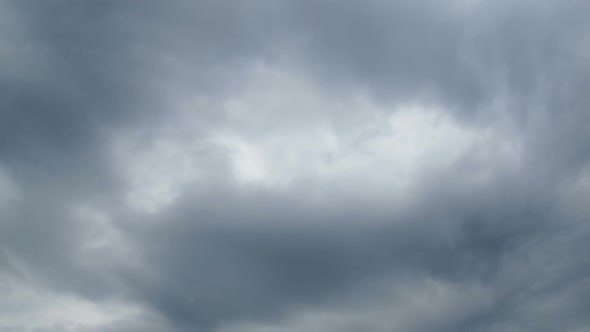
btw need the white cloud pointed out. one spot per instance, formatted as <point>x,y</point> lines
<point>354,145</point>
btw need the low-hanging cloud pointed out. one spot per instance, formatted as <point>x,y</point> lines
<point>294,165</point>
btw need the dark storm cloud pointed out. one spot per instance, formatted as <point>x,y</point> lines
<point>71,85</point>
<point>258,256</point>
<point>81,73</point>
<point>466,53</point>
<point>262,267</point>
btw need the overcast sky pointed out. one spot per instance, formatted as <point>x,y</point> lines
<point>295,165</point>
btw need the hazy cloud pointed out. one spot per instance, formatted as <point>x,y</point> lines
<point>294,165</point>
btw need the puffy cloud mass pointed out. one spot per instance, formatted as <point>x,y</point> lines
<point>224,166</point>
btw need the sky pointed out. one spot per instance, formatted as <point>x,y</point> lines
<point>295,165</point>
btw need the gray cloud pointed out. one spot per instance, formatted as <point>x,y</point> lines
<point>294,165</point>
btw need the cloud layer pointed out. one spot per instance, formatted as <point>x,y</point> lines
<point>294,165</point>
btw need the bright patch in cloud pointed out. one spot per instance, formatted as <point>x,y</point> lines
<point>9,191</point>
<point>27,308</point>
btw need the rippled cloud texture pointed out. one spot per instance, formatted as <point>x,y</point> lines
<point>295,165</point>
